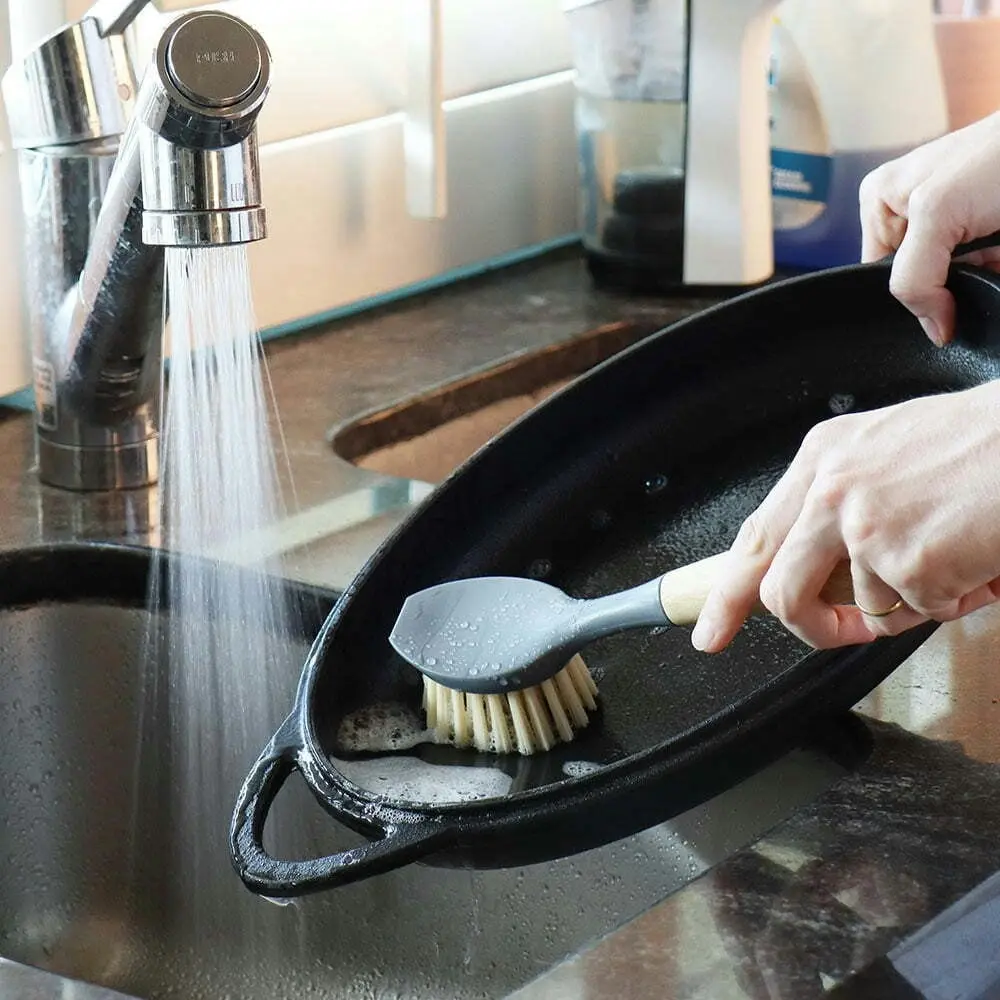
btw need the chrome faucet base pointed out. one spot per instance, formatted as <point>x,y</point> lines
<point>109,467</point>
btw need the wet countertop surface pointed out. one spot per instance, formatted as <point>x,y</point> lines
<point>884,849</point>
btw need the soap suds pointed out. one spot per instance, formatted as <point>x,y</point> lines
<point>393,727</point>
<point>410,779</point>
<point>580,768</point>
<point>382,728</point>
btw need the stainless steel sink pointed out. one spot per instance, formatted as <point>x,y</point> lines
<point>113,861</point>
<point>115,865</point>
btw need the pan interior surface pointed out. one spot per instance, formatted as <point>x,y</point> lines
<point>646,464</point>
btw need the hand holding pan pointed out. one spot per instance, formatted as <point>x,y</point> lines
<point>908,494</point>
<point>922,203</point>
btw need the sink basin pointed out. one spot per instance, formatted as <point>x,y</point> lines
<point>100,880</point>
<point>119,779</point>
<point>425,437</point>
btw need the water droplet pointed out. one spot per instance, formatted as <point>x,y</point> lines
<point>841,402</point>
<point>280,901</point>
<point>540,569</point>
<point>656,483</point>
<point>431,661</point>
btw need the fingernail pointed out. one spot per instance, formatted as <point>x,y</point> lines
<point>932,330</point>
<point>703,635</point>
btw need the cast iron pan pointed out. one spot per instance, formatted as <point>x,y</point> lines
<point>650,461</point>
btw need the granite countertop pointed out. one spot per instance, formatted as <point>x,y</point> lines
<point>888,846</point>
<point>332,373</point>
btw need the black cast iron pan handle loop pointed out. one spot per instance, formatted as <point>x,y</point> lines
<point>395,844</point>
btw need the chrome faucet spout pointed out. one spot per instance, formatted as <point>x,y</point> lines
<point>185,173</point>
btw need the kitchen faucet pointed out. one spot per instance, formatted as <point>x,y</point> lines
<point>110,175</point>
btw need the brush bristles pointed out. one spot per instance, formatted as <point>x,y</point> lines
<point>527,721</point>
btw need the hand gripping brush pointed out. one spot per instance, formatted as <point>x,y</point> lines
<point>500,655</point>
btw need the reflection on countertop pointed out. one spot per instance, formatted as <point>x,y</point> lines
<point>838,884</point>
<point>886,848</point>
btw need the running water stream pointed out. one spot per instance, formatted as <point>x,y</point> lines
<point>219,658</point>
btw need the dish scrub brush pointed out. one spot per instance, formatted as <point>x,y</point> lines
<point>526,721</point>
<point>501,654</point>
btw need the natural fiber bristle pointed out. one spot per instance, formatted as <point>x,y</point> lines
<point>527,721</point>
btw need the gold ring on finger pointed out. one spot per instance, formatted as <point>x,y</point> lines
<point>879,614</point>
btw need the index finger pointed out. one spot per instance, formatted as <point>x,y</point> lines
<point>735,593</point>
<point>918,278</point>
<point>882,231</point>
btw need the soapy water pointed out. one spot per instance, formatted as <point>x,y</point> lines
<point>389,728</point>
<point>410,779</point>
<point>381,728</point>
<point>580,768</point>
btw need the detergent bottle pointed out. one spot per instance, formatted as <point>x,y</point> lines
<point>852,84</point>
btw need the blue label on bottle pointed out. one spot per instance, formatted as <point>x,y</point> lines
<point>800,175</point>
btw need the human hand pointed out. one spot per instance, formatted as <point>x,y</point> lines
<point>922,205</point>
<point>910,494</point>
